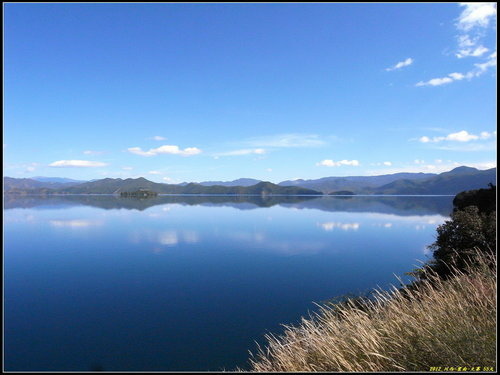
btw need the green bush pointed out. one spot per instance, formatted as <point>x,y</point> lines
<point>456,239</point>
<point>472,225</point>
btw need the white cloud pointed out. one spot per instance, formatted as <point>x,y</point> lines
<point>469,147</point>
<point>457,76</point>
<point>435,82</point>
<point>31,167</point>
<point>26,167</point>
<point>438,167</point>
<point>127,168</point>
<point>331,163</point>
<point>483,67</point>
<point>254,151</point>
<point>480,68</point>
<point>286,140</point>
<point>476,52</point>
<point>269,169</point>
<point>91,152</point>
<point>484,165</point>
<point>476,15</point>
<point>154,172</point>
<point>486,135</point>
<point>138,151</point>
<point>167,179</point>
<point>259,151</point>
<point>473,23</point>
<point>166,149</point>
<point>158,138</point>
<point>386,163</point>
<point>77,163</point>
<point>465,41</point>
<point>401,64</point>
<point>461,136</point>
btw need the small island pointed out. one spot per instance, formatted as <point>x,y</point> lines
<point>141,193</point>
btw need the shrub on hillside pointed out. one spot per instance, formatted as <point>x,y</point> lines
<point>472,225</point>
<point>456,238</point>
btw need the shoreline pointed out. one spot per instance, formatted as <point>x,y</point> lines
<point>239,195</point>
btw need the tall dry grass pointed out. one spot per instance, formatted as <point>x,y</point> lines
<point>436,323</point>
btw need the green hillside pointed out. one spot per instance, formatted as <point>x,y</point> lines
<point>118,186</point>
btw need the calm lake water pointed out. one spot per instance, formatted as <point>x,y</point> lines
<point>190,283</point>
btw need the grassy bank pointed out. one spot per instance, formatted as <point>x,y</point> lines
<point>437,323</point>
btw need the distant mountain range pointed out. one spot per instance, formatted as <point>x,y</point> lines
<point>118,185</point>
<point>452,182</point>
<point>355,184</point>
<point>38,183</point>
<point>57,180</point>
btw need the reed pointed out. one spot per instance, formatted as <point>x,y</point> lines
<point>434,323</point>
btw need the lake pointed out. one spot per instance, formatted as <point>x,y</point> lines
<point>190,283</point>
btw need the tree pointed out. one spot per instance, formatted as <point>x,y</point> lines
<point>472,226</point>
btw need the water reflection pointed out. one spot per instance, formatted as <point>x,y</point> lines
<point>288,225</point>
<point>184,283</point>
<point>422,205</point>
<point>77,223</point>
<point>344,226</point>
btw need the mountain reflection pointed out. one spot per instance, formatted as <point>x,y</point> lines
<point>398,205</point>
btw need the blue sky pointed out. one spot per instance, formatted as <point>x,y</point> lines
<point>196,92</point>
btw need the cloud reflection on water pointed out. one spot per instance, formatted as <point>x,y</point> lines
<point>75,223</point>
<point>329,226</point>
